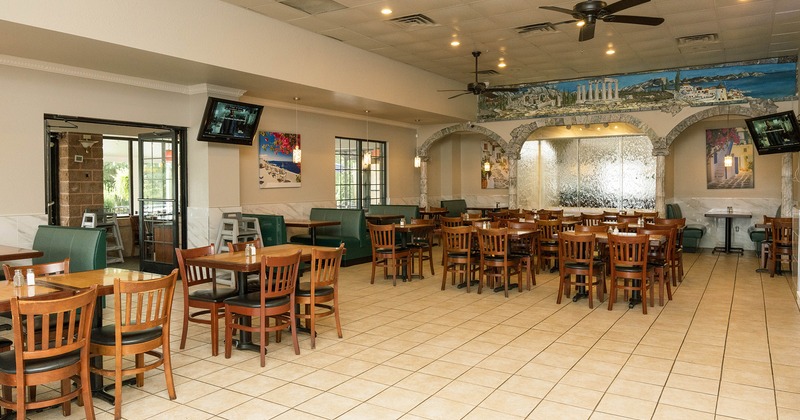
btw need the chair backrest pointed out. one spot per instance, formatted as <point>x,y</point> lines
<point>591,228</point>
<point>649,216</point>
<point>521,225</point>
<point>628,251</point>
<point>493,242</point>
<point>382,236</point>
<point>576,248</point>
<point>549,229</point>
<point>674,211</point>
<point>424,233</point>
<point>781,231</point>
<point>493,224</point>
<point>451,221</point>
<point>589,219</point>
<point>455,207</point>
<point>39,270</point>
<point>457,239</point>
<point>141,305</point>
<point>195,275</point>
<point>277,275</point>
<point>240,246</point>
<point>325,264</point>
<point>627,219</point>
<point>61,338</point>
<point>664,250</point>
<point>677,222</point>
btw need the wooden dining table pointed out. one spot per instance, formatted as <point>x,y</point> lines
<point>10,253</point>
<point>243,265</point>
<point>312,226</point>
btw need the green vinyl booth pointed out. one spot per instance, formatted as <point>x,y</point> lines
<point>85,247</point>
<point>692,234</point>
<point>352,231</point>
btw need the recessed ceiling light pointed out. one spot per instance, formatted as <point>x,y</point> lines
<point>386,11</point>
<point>502,63</point>
<point>455,43</point>
<point>580,23</point>
<point>610,51</point>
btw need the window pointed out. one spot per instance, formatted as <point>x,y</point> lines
<point>360,173</point>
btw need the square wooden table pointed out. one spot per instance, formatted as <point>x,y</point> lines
<point>9,253</point>
<point>312,226</point>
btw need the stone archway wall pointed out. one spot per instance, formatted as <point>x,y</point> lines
<point>752,111</point>
<point>469,127</point>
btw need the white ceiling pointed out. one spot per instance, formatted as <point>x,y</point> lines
<point>747,29</point>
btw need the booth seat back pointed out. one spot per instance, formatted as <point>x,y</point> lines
<point>85,247</point>
<point>692,234</point>
<point>455,208</point>
<point>352,223</point>
<point>273,228</point>
<point>408,212</point>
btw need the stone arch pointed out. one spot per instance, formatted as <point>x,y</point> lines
<point>751,111</point>
<point>469,127</point>
<point>520,134</point>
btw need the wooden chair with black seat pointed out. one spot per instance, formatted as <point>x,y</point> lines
<point>142,313</point>
<point>610,216</point>
<point>445,221</point>
<point>677,253</point>
<point>590,219</point>
<point>548,242</point>
<point>496,262</point>
<point>60,354</point>
<point>320,296</point>
<point>781,246</point>
<point>460,256</point>
<point>274,300</point>
<point>39,270</point>
<point>386,253</point>
<point>648,216</point>
<point>199,299</point>
<point>524,247</point>
<point>579,267</point>
<point>766,245</point>
<point>660,259</point>
<point>626,221</point>
<point>422,244</point>
<point>628,259</point>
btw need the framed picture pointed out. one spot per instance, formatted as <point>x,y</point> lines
<point>497,174</point>
<point>275,166</point>
<point>729,158</point>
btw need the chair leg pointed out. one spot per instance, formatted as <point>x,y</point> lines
<point>86,392</point>
<point>186,315</point>
<point>168,369</point>
<point>293,326</point>
<point>444,273</point>
<point>228,333</point>
<point>66,407</point>
<point>214,331</point>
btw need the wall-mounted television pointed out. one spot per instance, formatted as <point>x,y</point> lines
<point>232,122</point>
<point>775,133</point>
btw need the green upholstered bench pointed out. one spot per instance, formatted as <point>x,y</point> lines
<point>352,231</point>
<point>409,212</point>
<point>273,228</point>
<point>455,208</point>
<point>692,234</point>
<point>85,247</point>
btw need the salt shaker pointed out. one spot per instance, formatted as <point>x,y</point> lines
<point>18,279</point>
<point>30,278</point>
<point>402,222</point>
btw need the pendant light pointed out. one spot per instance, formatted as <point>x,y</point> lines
<point>366,160</point>
<point>297,154</point>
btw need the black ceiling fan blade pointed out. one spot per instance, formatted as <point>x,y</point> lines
<point>452,90</point>
<point>460,94</point>
<point>565,22</point>
<point>622,5</point>
<point>636,20</point>
<point>587,32</point>
<point>558,9</point>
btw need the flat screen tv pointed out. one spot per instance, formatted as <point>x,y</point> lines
<point>232,122</point>
<point>775,133</point>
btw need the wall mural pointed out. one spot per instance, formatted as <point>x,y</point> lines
<point>729,158</point>
<point>275,166</point>
<point>497,176</point>
<point>667,90</point>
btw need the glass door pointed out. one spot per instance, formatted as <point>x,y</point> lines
<point>158,204</point>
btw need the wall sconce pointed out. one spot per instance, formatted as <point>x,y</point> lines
<point>417,161</point>
<point>87,142</point>
<point>728,161</point>
<point>366,161</point>
<point>487,167</point>
<point>297,154</point>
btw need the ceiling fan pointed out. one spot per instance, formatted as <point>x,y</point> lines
<point>591,11</point>
<point>478,88</point>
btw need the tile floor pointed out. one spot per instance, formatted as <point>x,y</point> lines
<point>727,346</point>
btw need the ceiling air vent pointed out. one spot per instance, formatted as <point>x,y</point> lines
<point>489,72</point>
<point>691,40</point>
<point>415,21</point>
<point>539,27</point>
<point>313,7</point>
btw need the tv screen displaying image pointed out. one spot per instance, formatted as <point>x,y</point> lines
<point>775,133</point>
<point>226,121</point>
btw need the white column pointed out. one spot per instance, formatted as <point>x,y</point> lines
<point>786,185</point>
<point>423,181</point>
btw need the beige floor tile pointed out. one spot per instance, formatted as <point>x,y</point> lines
<point>464,392</point>
<point>322,379</point>
<point>398,399</point>
<point>251,410</point>
<point>480,413</point>
<point>444,369</point>
<point>510,403</point>
<point>689,399</point>
<point>738,408</point>
<point>693,383</point>
<point>486,377</point>
<point>574,396</point>
<point>669,412</point>
<point>627,406</point>
<point>385,374</point>
<point>640,390</point>
<point>440,408</point>
<point>359,389</point>
<point>219,401</point>
<point>547,410</point>
<point>328,405</point>
<point>290,394</point>
<point>372,412</point>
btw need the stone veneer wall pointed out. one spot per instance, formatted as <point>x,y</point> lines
<point>80,183</point>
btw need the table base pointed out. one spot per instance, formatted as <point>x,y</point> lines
<point>471,283</point>
<point>727,250</point>
<point>511,286</point>
<point>103,394</point>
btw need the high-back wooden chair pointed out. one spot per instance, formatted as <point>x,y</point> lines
<point>678,225</point>
<point>275,300</point>
<point>252,279</point>
<point>460,256</point>
<point>496,261</point>
<point>201,304</point>
<point>525,247</point>
<point>386,253</point>
<point>649,216</point>
<point>781,246</point>
<point>320,295</point>
<point>578,267</point>
<point>589,219</point>
<point>628,259</point>
<point>660,259</point>
<point>421,245</point>
<point>142,313</point>
<point>548,242</point>
<point>58,354</point>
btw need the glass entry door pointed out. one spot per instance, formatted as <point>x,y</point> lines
<point>158,204</point>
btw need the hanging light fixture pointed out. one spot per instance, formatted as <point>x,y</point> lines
<point>487,167</point>
<point>728,161</point>
<point>297,154</point>
<point>417,161</point>
<point>366,160</point>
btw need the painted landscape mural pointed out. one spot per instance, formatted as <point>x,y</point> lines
<point>668,90</point>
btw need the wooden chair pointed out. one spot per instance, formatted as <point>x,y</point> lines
<point>660,259</point>
<point>197,295</point>
<point>445,221</point>
<point>610,216</point>
<point>252,279</point>
<point>588,219</point>
<point>576,255</point>
<point>275,300</point>
<point>678,226</point>
<point>766,245</point>
<point>421,244</point>
<point>59,354</point>
<point>496,261</point>
<point>320,296</point>
<point>781,245</point>
<point>548,242</point>
<point>142,312</point>
<point>628,259</point>
<point>460,256</point>
<point>524,247</point>
<point>627,220</point>
<point>649,216</point>
<point>386,253</point>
